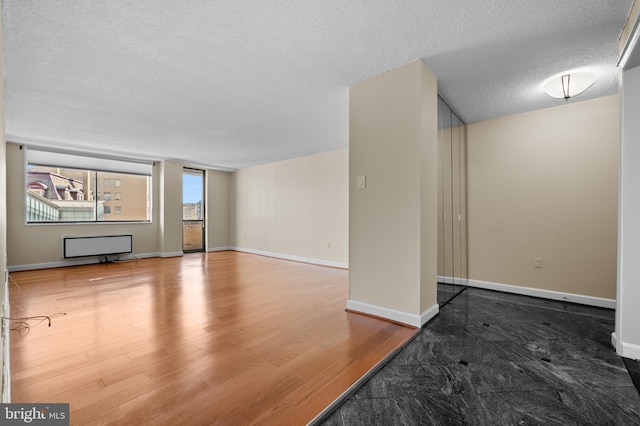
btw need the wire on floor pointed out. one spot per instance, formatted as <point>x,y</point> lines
<point>23,325</point>
<point>16,284</point>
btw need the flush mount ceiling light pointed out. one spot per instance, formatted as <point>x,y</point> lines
<point>569,84</point>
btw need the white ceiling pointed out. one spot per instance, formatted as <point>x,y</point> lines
<point>232,83</point>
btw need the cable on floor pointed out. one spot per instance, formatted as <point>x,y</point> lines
<point>23,325</point>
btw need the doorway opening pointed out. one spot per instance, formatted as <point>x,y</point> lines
<point>193,225</point>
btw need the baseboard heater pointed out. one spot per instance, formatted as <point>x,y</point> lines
<point>96,245</point>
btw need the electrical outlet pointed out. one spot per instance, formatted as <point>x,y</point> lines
<point>538,262</point>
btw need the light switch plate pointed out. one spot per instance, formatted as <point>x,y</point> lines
<point>362,182</point>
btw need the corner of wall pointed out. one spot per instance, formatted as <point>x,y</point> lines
<point>5,390</point>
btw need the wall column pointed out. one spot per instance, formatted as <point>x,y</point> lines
<point>626,338</point>
<point>170,241</point>
<point>393,168</point>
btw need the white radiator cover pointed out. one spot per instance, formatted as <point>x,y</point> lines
<point>96,245</point>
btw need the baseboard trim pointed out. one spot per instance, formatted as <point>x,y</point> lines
<point>225,248</point>
<point>138,256</point>
<point>313,261</point>
<point>429,314</point>
<point>626,350</point>
<point>77,262</point>
<point>545,294</point>
<point>171,254</point>
<point>393,315</point>
<point>452,280</point>
<point>92,260</point>
<point>630,350</point>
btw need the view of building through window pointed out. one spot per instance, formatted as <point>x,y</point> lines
<point>192,210</point>
<point>75,195</point>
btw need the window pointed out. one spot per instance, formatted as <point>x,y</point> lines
<point>64,188</point>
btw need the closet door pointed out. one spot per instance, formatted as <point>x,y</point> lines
<point>452,232</point>
<point>463,271</point>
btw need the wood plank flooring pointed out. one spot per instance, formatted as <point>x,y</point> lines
<point>216,338</point>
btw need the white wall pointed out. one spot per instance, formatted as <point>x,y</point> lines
<point>627,334</point>
<point>295,209</point>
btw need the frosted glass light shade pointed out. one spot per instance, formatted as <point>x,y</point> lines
<point>568,85</point>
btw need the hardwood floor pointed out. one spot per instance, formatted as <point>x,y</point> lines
<point>215,338</point>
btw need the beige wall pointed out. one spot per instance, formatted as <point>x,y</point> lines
<point>170,217</point>
<point>428,146</point>
<point>296,208</point>
<point>41,245</point>
<point>543,184</point>
<point>392,222</point>
<point>33,246</point>
<point>217,206</point>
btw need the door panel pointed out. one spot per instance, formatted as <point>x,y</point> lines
<point>452,220</point>
<point>193,224</point>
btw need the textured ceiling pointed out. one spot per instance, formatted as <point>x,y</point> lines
<point>231,83</point>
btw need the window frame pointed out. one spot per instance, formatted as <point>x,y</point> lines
<point>95,177</point>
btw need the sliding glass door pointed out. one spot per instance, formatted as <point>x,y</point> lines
<point>193,225</point>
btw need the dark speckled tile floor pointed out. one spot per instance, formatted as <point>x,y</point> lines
<point>492,358</point>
